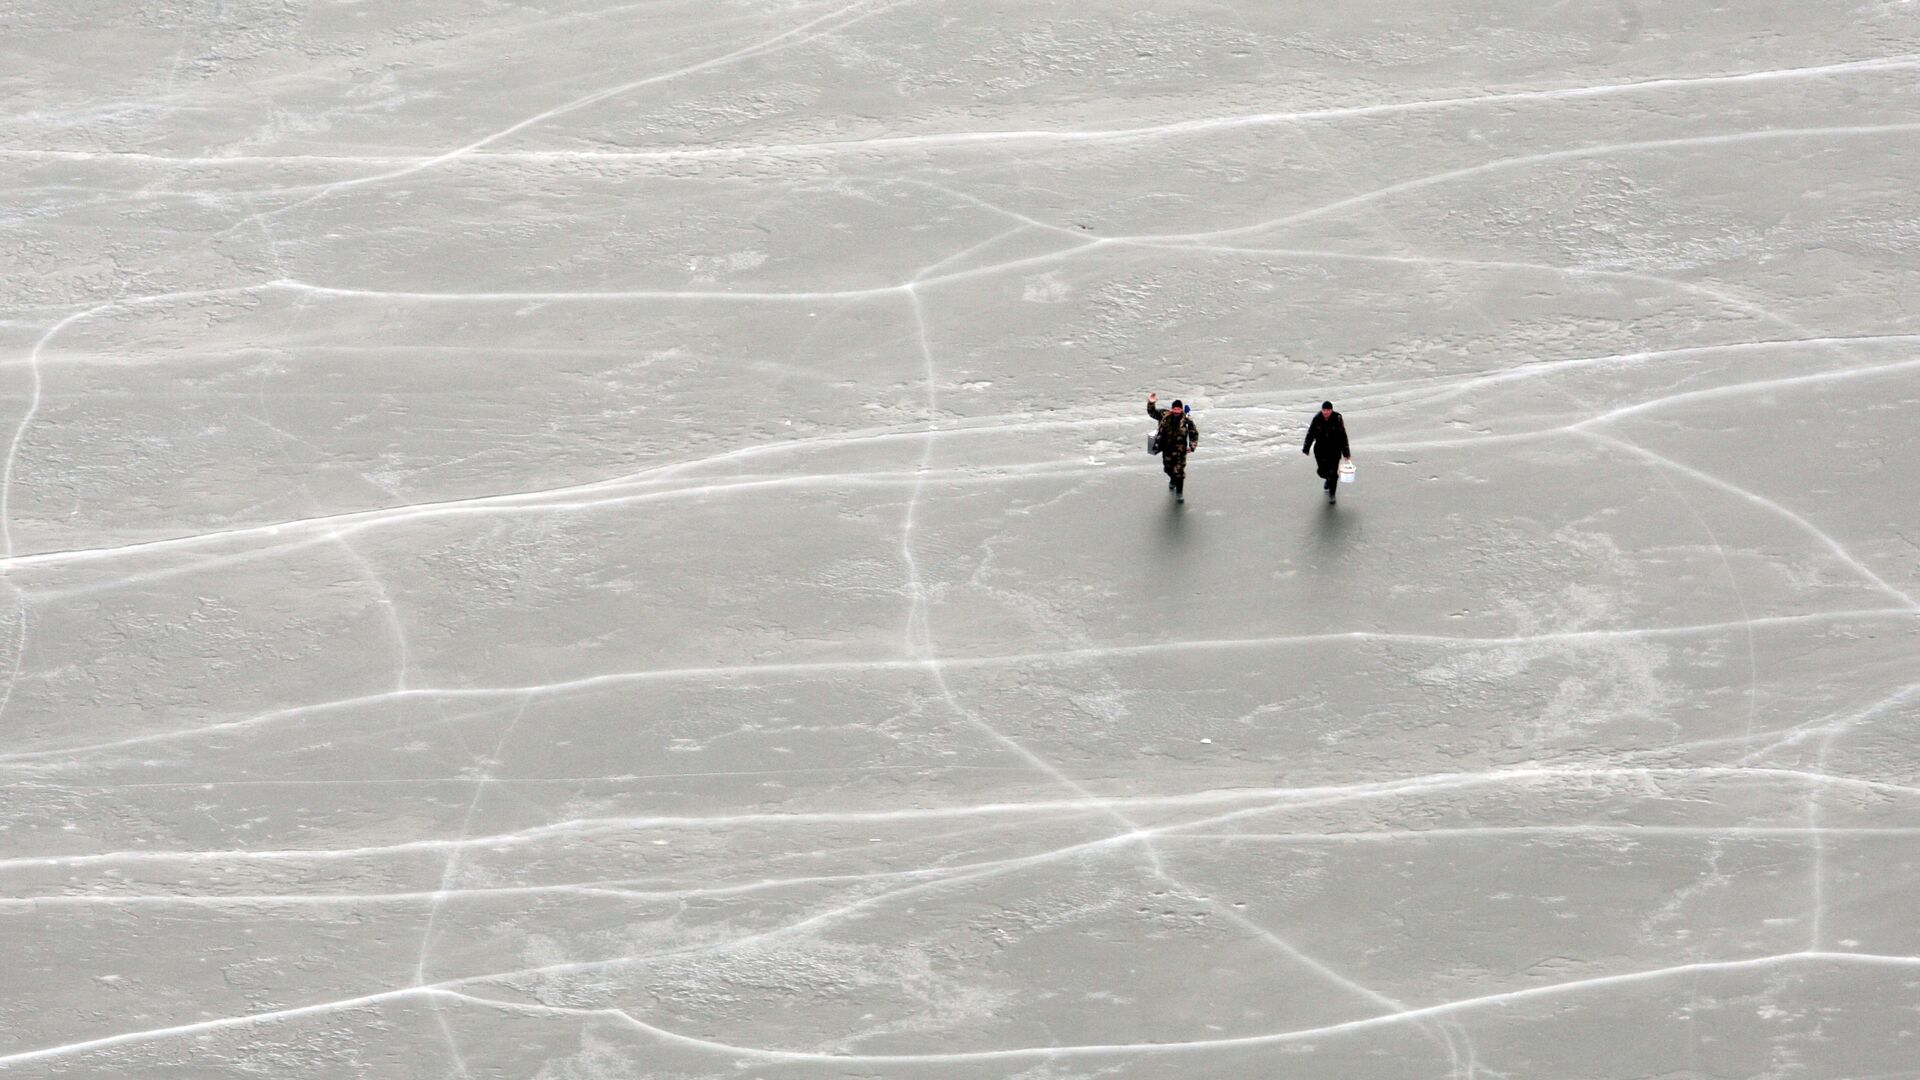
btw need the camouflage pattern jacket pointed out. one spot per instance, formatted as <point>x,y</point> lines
<point>1172,444</point>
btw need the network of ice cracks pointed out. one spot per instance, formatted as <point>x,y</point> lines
<point>669,585</point>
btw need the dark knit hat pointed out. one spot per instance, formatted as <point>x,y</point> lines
<point>1177,405</point>
<point>1326,404</point>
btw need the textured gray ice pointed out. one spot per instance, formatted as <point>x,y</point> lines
<point>586,543</point>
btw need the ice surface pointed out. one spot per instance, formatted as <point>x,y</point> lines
<point>565,543</point>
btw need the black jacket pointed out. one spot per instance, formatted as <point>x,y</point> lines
<point>1331,433</point>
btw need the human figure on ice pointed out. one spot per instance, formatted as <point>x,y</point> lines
<point>1176,440</point>
<point>1329,431</point>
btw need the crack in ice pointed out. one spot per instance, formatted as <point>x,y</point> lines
<point>1063,656</point>
<point>1041,1053</point>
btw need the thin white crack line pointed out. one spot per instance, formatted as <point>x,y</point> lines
<point>1540,368</point>
<point>1052,1053</point>
<point>581,827</point>
<point>962,254</point>
<point>19,645</point>
<point>786,39</point>
<point>224,1023</point>
<point>1010,1053</point>
<point>395,629</point>
<point>597,296</point>
<point>1499,164</point>
<point>1726,564</point>
<point>570,779</point>
<point>1817,871</point>
<point>1059,657</point>
<point>1730,390</point>
<point>402,653</point>
<point>1268,800</point>
<point>1897,62</point>
<point>1753,386</point>
<point>1524,370</point>
<point>1832,545</point>
<point>450,868</point>
<point>617,888</point>
<point>26,420</point>
<point>448,871</point>
<point>1469,832</point>
<point>6,501</point>
<point>1830,722</point>
<point>630,888</point>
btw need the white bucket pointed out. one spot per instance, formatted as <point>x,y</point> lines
<point>1346,470</point>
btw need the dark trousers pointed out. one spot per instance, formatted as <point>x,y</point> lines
<point>1176,467</point>
<point>1329,470</point>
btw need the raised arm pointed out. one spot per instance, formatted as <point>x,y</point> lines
<point>1153,405</point>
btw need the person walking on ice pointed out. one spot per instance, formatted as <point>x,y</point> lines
<point>1177,439</point>
<point>1329,431</point>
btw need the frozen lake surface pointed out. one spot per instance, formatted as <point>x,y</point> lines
<point>602,543</point>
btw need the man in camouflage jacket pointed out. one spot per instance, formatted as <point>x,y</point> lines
<point>1178,437</point>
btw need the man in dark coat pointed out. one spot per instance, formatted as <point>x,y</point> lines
<point>1327,442</point>
<point>1178,436</point>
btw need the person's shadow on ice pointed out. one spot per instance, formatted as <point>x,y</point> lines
<point>1173,529</point>
<point>1332,532</point>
